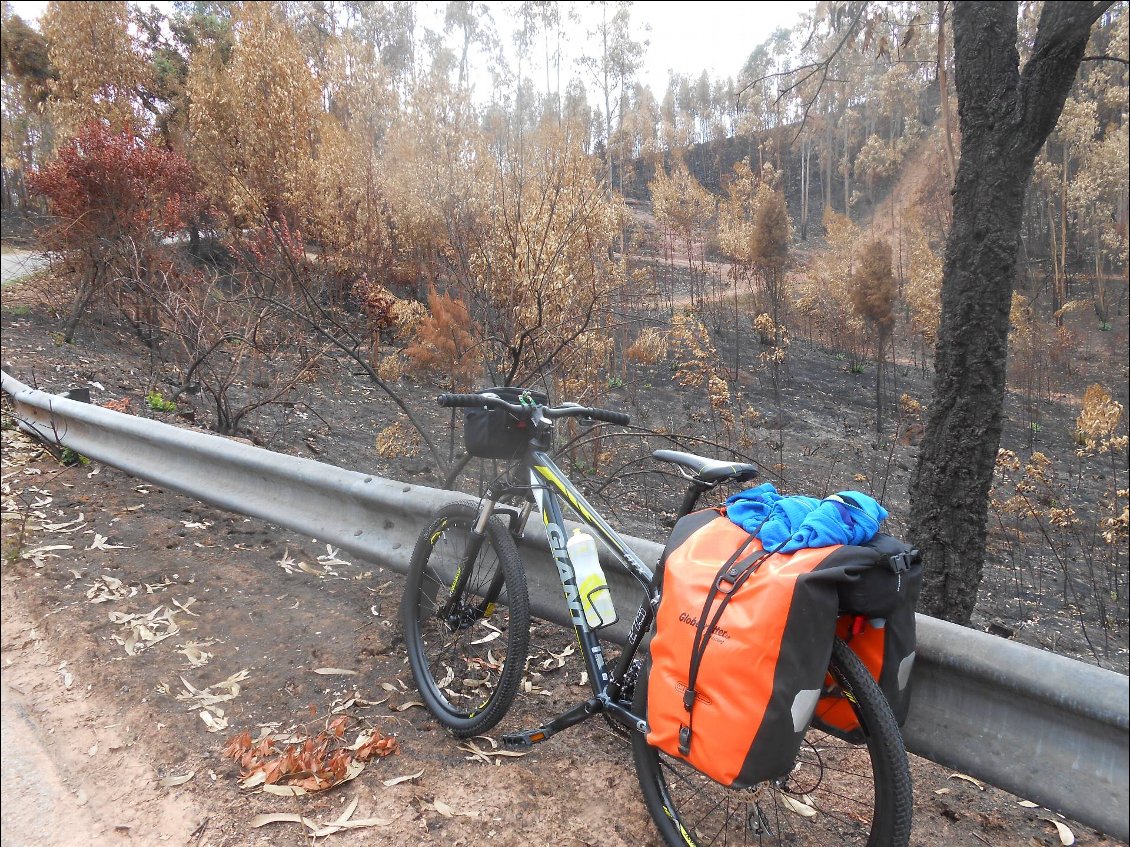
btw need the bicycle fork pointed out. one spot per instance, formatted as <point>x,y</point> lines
<point>452,612</point>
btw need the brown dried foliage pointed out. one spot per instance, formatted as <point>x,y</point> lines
<point>874,290</point>
<point>312,764</point>
<point>444,342</point>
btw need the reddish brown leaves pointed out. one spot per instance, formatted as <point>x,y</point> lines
<point>310,764</point>
<point>107,185</point>
<point>376,747</point>
<point>122,404</point>
<point>377,302</point>
<point>237,746</point>
<point>444,341</point>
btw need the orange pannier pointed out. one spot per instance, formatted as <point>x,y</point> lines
<point>741,650</point>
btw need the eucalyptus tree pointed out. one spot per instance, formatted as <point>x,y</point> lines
<point>1007,111</point>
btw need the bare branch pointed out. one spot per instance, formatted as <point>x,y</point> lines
<point>1118,59</point>
<point>809,71</point>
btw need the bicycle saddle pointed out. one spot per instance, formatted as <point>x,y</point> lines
<point>708,471</point>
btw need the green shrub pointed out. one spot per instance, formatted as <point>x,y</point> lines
<point>70,457</point>
<point>156,401</point>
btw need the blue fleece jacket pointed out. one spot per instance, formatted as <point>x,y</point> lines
<point>791,523</point>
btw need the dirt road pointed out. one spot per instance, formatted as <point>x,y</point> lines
<point>19,263</point>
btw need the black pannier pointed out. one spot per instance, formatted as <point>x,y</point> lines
<point>877,622</point>
<point>495,433</point>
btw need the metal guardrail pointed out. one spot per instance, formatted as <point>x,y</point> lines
<point>1050,729</point>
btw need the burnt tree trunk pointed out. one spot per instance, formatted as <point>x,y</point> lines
<point>1005,115</point>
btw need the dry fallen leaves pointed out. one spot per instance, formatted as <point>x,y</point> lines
<point>214,719</point>
<point>122,404</point>
<point>99,543</point>
<point>477,752</point>
<point>1066,836</point>
<point>317,830</point>
<point>445,809</point>
<point>107,588</point>
<point>145,630</point>
<point>210,697</point>
<point>66,526</point>
<point>173,781</point>
<point>968,779</point>
<point>305,765</point>
<point>396,780</point>
<point>291,565</point>
<point>211,694</point>
<point>331,557</point>
<point>805,810</point>
<point>287,563</point>
<point>557,660</point>
<point>529,687</point>
<point>40,555</point>
<point>194,651</point>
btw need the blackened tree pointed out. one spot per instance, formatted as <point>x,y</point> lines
<point>1006,112</point>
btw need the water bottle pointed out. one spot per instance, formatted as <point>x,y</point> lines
<point>596,599</point>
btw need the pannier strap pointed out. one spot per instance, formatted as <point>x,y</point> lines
<point>733,575</point>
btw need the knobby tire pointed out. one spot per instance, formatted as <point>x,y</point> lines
<point>467,674</point>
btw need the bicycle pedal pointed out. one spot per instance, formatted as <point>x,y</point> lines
<point>524,740</point>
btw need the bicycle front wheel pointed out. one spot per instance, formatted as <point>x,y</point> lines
<point>466,620</point>
<point>837,795</point>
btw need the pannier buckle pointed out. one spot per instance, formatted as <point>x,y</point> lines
<point>685,740</point>
<point>688,699</point>
<point>901,562</point>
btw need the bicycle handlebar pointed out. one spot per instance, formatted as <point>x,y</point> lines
<point>491,401</point>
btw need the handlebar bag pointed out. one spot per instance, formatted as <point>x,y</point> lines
<point>495,433</point>
<point>743,639</point>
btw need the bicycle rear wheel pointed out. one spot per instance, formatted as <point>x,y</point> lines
<point>466,620</point>
<point>838,794</point>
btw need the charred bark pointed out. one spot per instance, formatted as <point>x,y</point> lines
<point>1005,115</point>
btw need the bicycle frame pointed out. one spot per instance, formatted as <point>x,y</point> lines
<point>548,487</point>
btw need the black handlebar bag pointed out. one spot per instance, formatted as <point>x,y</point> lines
<point>495,433</point>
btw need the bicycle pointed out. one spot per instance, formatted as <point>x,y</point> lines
<point>466,593</point>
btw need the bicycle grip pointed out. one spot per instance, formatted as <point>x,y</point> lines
<point>456,400</point>
<point>608,416</point>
